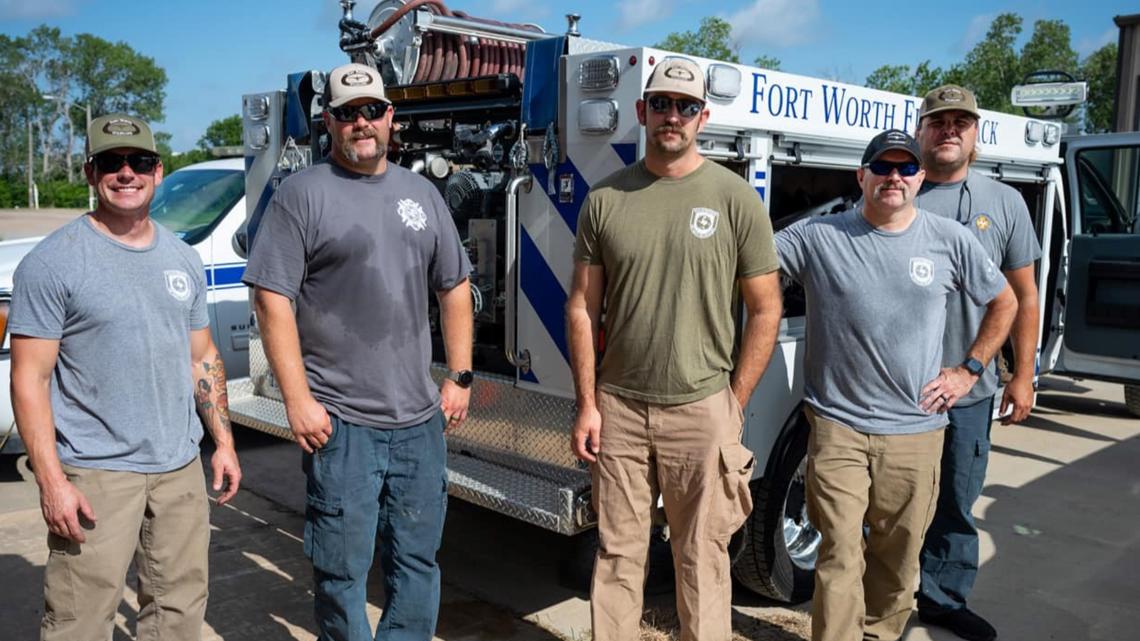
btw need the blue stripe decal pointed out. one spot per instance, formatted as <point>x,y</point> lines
<point>760,190</point>
<point>529,377</point>
<point>627,151</point>
<point>760,175</point>
<point>542,288</point>
<point>225,275</point>
<point>568,211</point>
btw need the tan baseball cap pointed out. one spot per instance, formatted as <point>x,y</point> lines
<point>677,75</point>
<point>118,130</point>
<point>949,97</point>
<point>352,81</point>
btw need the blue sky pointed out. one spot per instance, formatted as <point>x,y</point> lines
<point>214,51</point>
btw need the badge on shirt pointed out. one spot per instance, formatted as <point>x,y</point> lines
<point>412,213</point>
<point>921,271</point>
<point>982,222</point>
<point>703,222</point>
<point>177,283</point>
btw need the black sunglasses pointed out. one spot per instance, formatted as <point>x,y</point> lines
<point>140,162</point>
<point>884,168</point>
<point>686,107</point>
<point>370,111</point>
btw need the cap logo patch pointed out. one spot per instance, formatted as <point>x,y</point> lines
<point>896,137</point>
<point>121,127</point>
<point>679,73</point>
<point>356,79</point>
<point>951,95</point>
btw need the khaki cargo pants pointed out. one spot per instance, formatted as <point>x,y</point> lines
<point>864,588</point>
<point>163,522</point>
<point>691,456</point>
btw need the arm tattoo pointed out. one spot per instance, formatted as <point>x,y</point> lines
<point>211,397</point>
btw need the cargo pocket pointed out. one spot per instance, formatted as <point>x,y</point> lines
<point>734,502</point>
<point>324,536</point>
<point>59,582</point>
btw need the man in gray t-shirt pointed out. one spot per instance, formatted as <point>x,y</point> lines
<point>357,244</point>
<point>114,374</point>
<point>877,280</point>
<point>996,215</point>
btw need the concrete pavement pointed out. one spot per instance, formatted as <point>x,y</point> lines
<point>1061,547</point>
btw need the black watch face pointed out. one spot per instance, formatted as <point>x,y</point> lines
<point>465,378</point>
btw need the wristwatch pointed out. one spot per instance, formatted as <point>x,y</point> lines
<point>462,378</point>
<point>974,366</point>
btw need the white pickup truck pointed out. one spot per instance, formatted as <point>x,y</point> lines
<point>204,204</point>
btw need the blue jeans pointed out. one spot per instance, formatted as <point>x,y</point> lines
<point>366,482</point>
<point>949,555</point>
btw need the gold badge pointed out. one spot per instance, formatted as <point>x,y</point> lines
<point>982,222</point>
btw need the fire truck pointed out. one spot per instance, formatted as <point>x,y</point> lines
<point>513,124</point>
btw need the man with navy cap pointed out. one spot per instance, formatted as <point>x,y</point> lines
<point>877,280</point>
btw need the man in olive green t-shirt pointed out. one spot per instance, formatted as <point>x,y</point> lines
<point>664,244</point>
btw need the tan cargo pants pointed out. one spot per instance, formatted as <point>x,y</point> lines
<point>691,456</point>
<point>864,589</point>
<point>163,522</point>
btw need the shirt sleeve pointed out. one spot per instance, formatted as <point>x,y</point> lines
<point>791,249</point>
<point>450,264</point>
<point>586,247</point>
<point>277,258</point>
<point>199,314</point>
<point>39,300</point>
<point>1021,247</point>
<point>977,276</point>
<point>756,249</point>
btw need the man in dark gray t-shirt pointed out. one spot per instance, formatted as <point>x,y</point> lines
<point>114,375</point>
<point>877,281</point>
<point>996,215</point>
<point>357,245</point>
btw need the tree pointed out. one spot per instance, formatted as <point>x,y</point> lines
<point>1048,49</point>
<point>900,78</point>
<point>713,39</point>
<point>767,62</point>
<point>992,67</point>
<point>1099,70</point>
<point>222,133</point>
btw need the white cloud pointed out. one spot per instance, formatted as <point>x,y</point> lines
<point>776,23</point>
<point>36,9</point>
<point>975,31</point>
<point>1085,46</point>
<point>635,13</point>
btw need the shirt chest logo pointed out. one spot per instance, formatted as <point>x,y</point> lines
<point>703,222</point>
<point>921,271</point>
<point>177,284</point>
<point>412,213</point>
<point>982,222</point>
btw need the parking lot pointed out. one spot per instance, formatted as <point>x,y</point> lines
<point>1060,515</point>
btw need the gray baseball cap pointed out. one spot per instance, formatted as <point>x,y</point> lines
<point>677,75</point>
<point>118,130</point>
<point>948,97</point>
<point>352,81</point>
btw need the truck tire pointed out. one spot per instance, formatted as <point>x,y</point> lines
<point>1132,398</point>
<point>780,543</point>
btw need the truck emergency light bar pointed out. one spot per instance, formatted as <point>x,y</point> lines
<point>1049,94</point>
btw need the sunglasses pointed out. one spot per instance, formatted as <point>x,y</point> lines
<point>884,168</point>
<point>370,111</point>
<point>139,162</point>
<point>686,107</point>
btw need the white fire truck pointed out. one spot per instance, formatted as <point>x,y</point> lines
<point>514,125</point>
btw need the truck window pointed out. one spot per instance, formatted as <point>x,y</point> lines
<point>1108,180</point>
<point>191,202</point>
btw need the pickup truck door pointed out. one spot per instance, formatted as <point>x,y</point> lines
<point>1102,293</point>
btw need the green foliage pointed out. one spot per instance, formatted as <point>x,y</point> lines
<point>60,193</point>
<point>901,79</point>
<point>767,62</point>
<point>1099,70</point>
<point>13,191</point>
<point>221,133</point>
<point>712,39</point>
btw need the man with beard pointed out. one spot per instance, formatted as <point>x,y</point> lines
<point>877,281</point>
<point>355,243</point>
<point>664,244</point>
<point>996,215</point>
